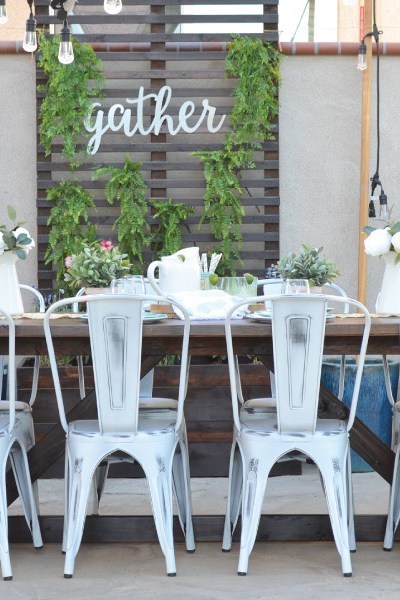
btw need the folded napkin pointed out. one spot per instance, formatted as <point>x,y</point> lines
<point>207,305</point>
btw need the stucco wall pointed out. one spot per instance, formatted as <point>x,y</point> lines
<point>320,119</point>
<point>320,140</point>
<point>18,150</point>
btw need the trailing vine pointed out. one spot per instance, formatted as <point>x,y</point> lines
<point>167,234</point>
<point>67,96</point>
<point>256,66</point>
<point>69,221</point>
<point>126,186</point>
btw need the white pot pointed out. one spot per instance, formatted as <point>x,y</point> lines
<point>10,294</point>
<point>388,300</point>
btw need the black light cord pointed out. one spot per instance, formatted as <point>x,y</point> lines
<point>375,180</point>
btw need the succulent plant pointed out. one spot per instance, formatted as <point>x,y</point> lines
<point>308,264</point>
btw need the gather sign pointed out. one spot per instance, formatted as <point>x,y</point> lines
<point>119,117</point>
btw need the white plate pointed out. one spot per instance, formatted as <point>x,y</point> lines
<point>154,317</point>
<point>265,315</point>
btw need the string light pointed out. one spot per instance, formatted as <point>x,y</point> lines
<point>30,40</point>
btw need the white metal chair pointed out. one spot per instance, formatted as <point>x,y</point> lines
<point>262,438</point>
<point>155,437</point>
<point>16,438</point>
<point>146,398</point>
<point>35,378</point>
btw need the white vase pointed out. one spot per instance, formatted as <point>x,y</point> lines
<point>388,300</point>
<point>10,294</point>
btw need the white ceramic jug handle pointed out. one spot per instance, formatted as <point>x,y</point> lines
<point>150,276</point>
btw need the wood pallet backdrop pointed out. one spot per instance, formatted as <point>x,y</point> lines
<point>143,46</point>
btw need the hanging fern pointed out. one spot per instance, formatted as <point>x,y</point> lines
<point>69,224</point>
<point>126,186</point>
<point>67,95</point>
<point>256,65</point>
<point>167,233</point>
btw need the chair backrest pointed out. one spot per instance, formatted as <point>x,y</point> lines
<point>8,322</point>
<point>38,296</point>
<point>115,328</point>
<point>335,289</point>
<point>298,331</point>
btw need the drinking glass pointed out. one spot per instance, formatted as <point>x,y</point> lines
<point>297,286</point>
<point>134,284</point>
<point>117,286</point>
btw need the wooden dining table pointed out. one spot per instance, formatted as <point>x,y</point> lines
<point>71,336</point>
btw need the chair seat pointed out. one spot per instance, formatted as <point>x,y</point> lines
<point>151,421</point>
<point>152,402</point>
<point>23,429</point>
<point>5,405</point>
<point>266,424</point>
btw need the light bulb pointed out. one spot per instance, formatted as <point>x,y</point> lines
<point>65,51</point>
<point>362,57</point>
<point>383,209</point>
<point>113,7</point>
<point>30,40</point>
<point>3,12</point>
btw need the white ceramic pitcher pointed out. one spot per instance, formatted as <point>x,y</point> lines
<point>176,274</point>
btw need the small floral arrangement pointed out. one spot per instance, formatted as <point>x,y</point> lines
<point>96,265</point>
<point>308,264</point>
<point>383,240</point>
<point>18,239</point>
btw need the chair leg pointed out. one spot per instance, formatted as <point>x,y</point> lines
<point>394,505</point>
<point>334,473</point>
<point>235,485</point>
<point>181,485</point>
<point>350,505</point>
<point>160,485</point>
<point>20,466</point>
<point>255,478</point>
<point>5,561</point>
<point>98,484</point>
<point>79,486</point>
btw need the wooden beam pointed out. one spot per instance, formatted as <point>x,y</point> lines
<point>365,155</point>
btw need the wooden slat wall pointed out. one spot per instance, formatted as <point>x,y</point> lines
<point>138,47</point>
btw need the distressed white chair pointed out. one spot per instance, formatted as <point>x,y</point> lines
<point>16,438</point>
<point>155,437</point>
<point>263,438</point>
<point>146,397</point>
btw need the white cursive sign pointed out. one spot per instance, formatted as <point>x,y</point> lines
<point>120,117</point>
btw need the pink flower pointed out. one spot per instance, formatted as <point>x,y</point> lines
<point>68,262</point>
<point>106,245</point>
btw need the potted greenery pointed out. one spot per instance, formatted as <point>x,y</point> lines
<point>308,264</point>
<point>95,266</point>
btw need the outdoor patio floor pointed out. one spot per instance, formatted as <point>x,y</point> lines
<point>290,570</point>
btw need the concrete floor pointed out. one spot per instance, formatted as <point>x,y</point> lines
<point>296,570</point>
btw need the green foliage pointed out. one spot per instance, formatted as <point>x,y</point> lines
<point>95,266</point>
<point>68,219</point>
<point>17,239</point>
<point>127,187</point>
<point>256,65</point>
<point>308,264</point>
<point>167,233</point>
<point>67,95</point>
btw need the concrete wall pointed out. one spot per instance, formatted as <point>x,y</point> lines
<point>18,150</point>
<point>320,139</point>
<point>320,133</point>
